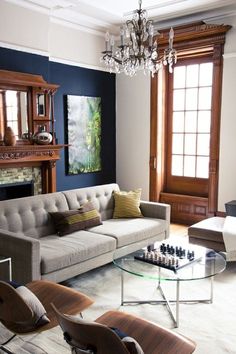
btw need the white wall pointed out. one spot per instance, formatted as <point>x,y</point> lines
<point>76,46</point>
<point>227,176</point>
<point>133,132</point>
<point>25,29</point>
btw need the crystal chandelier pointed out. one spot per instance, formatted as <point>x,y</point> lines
<point>137,50</point>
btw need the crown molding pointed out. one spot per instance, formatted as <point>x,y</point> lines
<point>75,63</point>
<point>94,25</point>
<point>50,58</point>
<point>87,23</point>
<point>31,6</point>
<point>229,55</point>
<point>75,26</point>
<point>188,19</point>
<point>24,49</point>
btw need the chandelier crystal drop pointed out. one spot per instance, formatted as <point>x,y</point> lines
<point>137,50</point>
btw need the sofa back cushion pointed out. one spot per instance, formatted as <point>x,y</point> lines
<point>101,197</point>
<point>30,216</point>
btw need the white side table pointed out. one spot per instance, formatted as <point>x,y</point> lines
<point>8,260</point>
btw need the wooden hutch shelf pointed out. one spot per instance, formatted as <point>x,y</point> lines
<point>34,97</point>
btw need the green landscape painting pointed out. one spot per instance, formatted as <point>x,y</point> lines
<point>84,134</point>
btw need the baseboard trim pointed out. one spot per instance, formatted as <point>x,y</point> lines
<point>186,209</point>
<point>221,214</point>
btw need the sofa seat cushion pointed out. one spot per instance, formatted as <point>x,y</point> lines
<point>128,231</point>
<point>61,252</point>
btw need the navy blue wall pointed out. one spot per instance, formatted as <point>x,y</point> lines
<point>73,81</point>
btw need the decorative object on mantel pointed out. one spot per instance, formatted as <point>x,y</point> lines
<point>140,51</point>
<point>26,136</point>
<point>42,137</point>
<point>9,137</point>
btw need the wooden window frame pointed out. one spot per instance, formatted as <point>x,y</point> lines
<point>195,40</point>
<point>182,184</point>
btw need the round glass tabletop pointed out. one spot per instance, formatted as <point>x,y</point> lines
<point>202,262</point>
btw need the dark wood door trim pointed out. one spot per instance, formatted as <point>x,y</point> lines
<point>153,193</point>
<point>215,131</point>
<point>205,38</point>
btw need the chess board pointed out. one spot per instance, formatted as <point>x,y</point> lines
<point>168,256</point>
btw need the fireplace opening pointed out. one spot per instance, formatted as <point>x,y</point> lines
<point>16,190</point>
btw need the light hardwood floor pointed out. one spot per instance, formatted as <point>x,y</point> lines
<point>178,230</point>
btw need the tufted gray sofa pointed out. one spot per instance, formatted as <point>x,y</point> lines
<point>27,233</point>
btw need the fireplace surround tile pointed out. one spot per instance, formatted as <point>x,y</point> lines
<point>22,174</point>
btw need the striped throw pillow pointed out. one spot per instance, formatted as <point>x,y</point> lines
<point>70,221</point>
<point>127,204</point>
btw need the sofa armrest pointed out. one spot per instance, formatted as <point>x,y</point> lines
<point>25,254</point>
<point>156,210</point>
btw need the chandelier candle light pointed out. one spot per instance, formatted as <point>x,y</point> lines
<point>137,50</point>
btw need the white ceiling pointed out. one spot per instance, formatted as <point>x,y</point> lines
<point>101,15</point>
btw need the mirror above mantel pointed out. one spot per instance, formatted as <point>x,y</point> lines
<point>14,112</point>
<point>26,106</point>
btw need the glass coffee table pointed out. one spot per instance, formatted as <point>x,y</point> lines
<point>194,264</point>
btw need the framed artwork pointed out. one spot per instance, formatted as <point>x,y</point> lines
<point>84,134</point>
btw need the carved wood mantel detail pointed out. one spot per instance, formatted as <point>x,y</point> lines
<point>44,156</point>
<point>28,153</point>
<point>23,155</point>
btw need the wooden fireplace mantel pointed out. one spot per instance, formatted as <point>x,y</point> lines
<point>44,156</point>
<point>23,153</point>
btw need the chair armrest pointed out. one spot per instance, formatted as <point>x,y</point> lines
<point>25,254</point>
<point>152,337</point>
<point>68,300</point>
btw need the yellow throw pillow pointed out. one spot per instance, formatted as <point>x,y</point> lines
<point>127,204</point>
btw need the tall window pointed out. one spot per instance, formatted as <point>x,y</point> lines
<point>185,123</point>
<point>188,132</point>
<point>191,120</point>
